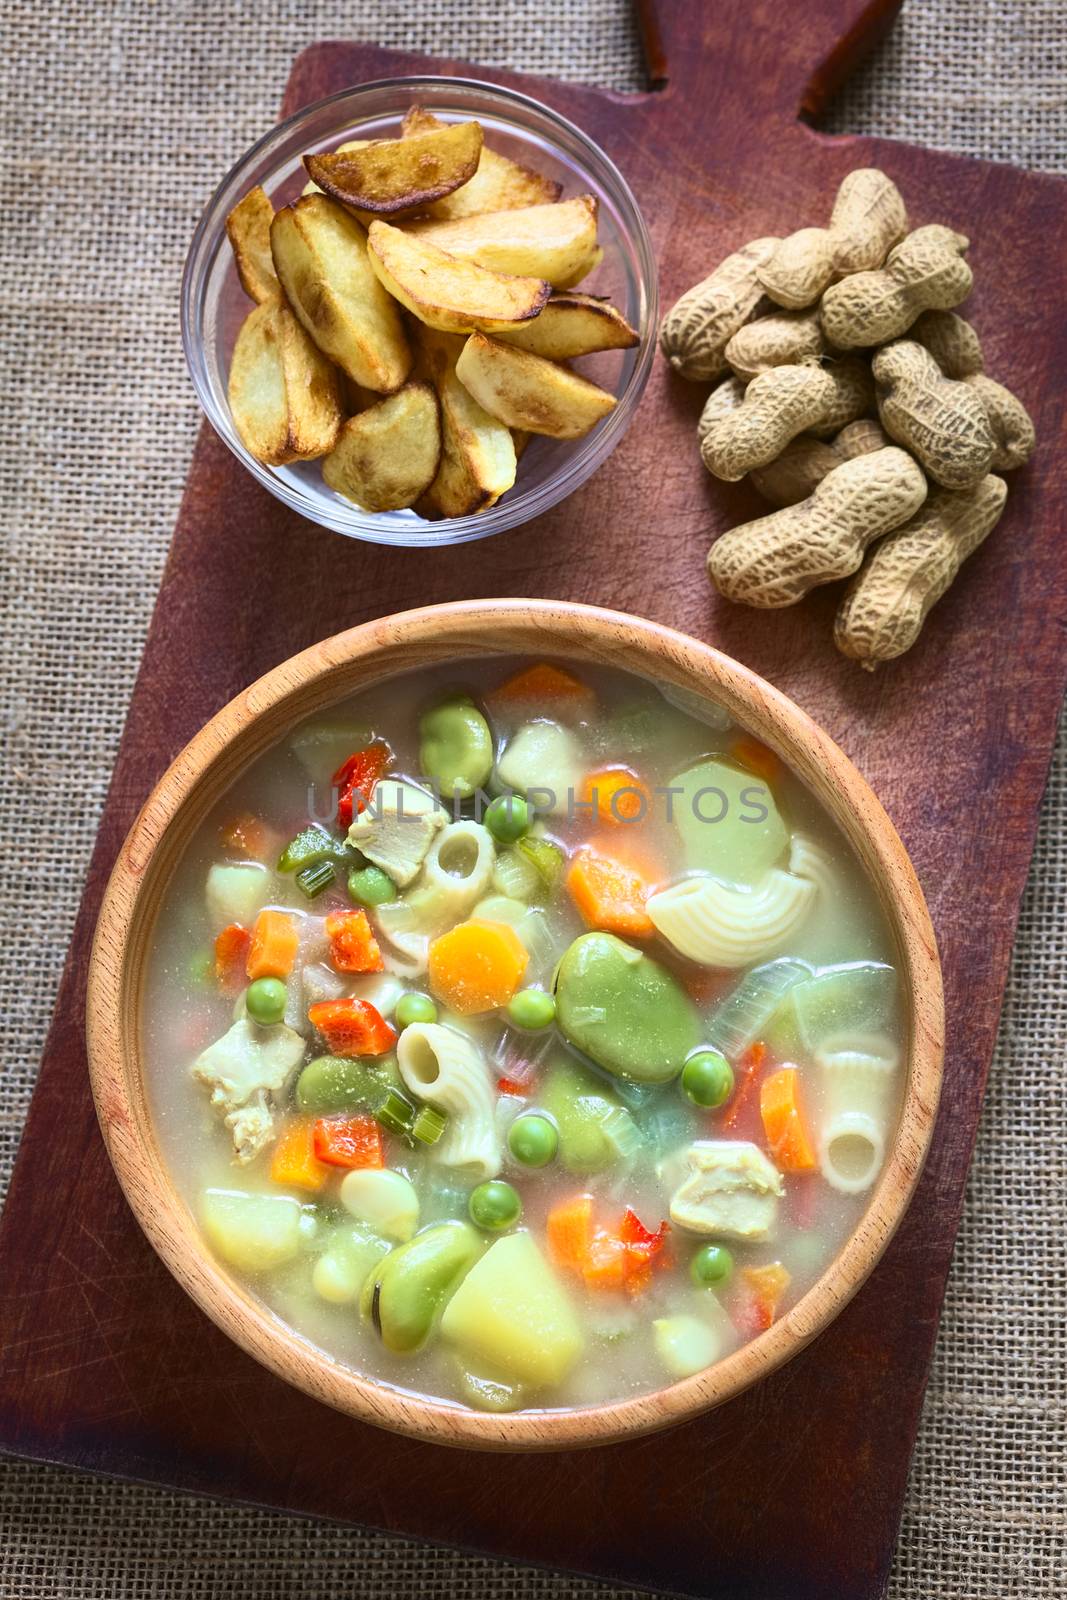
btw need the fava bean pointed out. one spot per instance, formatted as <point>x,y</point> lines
<point>403,1296</point>
<point>455,747</point>
<point>625,1011</point>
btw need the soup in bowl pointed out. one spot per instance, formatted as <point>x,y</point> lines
<point>516,1024</point>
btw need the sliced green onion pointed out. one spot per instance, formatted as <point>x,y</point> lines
<point>396,1112</point>
<point>429,1125</point>
<point>311,881</point>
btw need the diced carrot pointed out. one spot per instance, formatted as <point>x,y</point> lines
<point>353,947</point>
<point>231,953</point>
<point>569,1232</point>
<point>609,895</point>
<point>606,1263</point>
<point>549,688</point>
<point>349,1142</point>
<point>293,1161</point>
<point>788,1139</point>
<point>477,966</point>
<point>755,757</point>
<point>248,836</point>
<point>355,778</point>
<point>602,1258</point>
<point>352,1027</point>
<point>275,941</point>
<point>751,1065</point>
<point>617,795</point>
<point>768,1285</point>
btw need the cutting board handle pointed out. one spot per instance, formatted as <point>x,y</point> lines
<point>772,59</point>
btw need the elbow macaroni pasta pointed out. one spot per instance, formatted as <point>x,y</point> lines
<point>721,926</point>
<point>448,1070</point>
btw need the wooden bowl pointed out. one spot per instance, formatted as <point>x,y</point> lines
<point>257,720</point>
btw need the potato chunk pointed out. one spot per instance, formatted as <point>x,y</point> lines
<point>526,391</point>
<point>512,1313</point>
<point>478,453</point>
<point>320,254</point>
<point>248,228</point>
<point>455,296</point>
<point>387,456</point>
<point>385,176</point>
<point>499,184</point>
<point>284,395</point>
<point>573,325</point>
<point>550,241</point>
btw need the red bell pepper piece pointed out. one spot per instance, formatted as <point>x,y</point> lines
<point>231,954</point>
<point>355,778</point>
<point>352,1027</point>
<point>348,1142</point>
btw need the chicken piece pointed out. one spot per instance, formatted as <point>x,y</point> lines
<point>730,1188</point>
<point>247,1071</point>
<point>398,827</point>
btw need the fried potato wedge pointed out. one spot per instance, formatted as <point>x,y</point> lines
<point>320,254</point>
<point>285,397</point>
<point>384,176</point>
<point>248,227</point>
<point>386,457</point>
<point>573,325</point>
<point>526,391</point>
<point>549,241</point>
<point>583,269</point>
<point>499,184</point>
<point>455,296</point>
<point>478,455</point>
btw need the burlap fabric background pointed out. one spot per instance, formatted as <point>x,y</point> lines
<point>118,121</point>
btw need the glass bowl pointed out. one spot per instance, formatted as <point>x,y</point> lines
<point>214,305</point>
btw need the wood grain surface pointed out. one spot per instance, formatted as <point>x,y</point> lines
<point>795,1489</point>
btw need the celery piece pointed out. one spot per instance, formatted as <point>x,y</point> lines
<point>859,997</point>
<point>728,822</point>
<point>546,858</point>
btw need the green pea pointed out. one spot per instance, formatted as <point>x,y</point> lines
<point>532,1009</point>
<point>415,1008</point>
<point>456,747</point>
<point>712,1264</point>
<point>707,1079</point>
<point>494,1205</point>
<point>533,1140</point>
<point>265,1000</point>
<point>370,886</point>
<point>507,817</point>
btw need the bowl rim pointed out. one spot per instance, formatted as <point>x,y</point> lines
<point>256,720</point>
<point>377,528</point>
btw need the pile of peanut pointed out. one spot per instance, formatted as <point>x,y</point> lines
<point>856,402</point>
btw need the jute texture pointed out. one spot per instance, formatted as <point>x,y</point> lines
<point>118,120</point>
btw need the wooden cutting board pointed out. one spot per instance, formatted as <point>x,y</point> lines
<point>794,1490</point>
